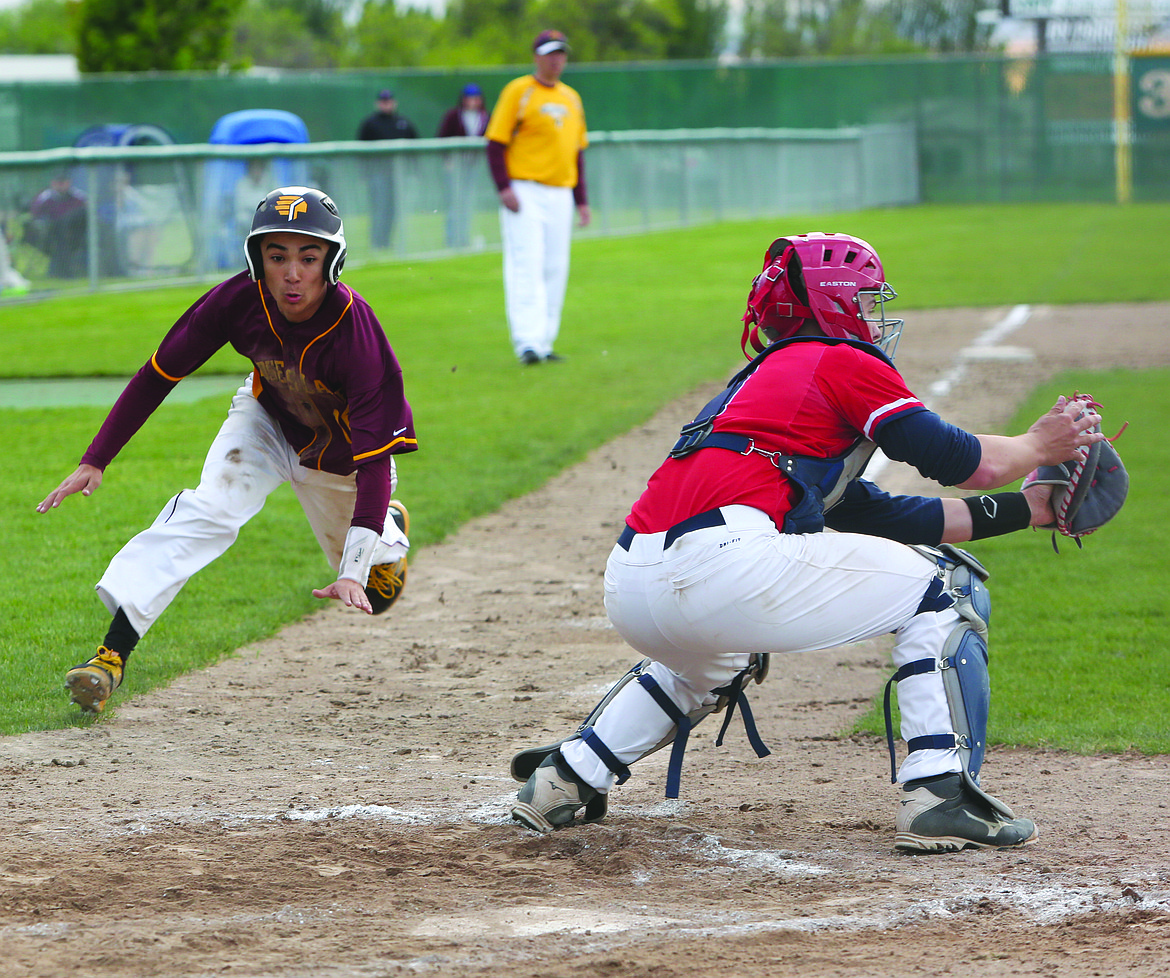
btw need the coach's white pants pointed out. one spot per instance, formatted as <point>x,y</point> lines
<point>248,459</point>
<point>536,263</point>
<point>699,608</point>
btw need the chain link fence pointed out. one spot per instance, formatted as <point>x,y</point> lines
<point>124,215</point>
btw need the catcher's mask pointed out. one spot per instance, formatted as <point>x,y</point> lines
<point>302,210</point>
<point>834,279</point>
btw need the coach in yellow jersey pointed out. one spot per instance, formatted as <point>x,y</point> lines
<point>536,142</point>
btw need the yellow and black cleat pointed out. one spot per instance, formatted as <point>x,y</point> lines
<point>92,683</point>
<point>386,581</point>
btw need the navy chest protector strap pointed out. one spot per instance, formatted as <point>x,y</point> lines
<point>821,481</point>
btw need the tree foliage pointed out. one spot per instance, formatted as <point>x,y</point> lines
<point>153,35</point>
<point>792,28</point>
<point>38,27</point>
<point>287,34</point>
<point>142,35</point>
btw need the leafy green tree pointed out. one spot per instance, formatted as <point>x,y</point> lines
<point>941,25</point>
<point>154,35</point>
<point>636,30</point>
<point>283,35</point>
<point>385,35</point>
<point>38,27</point>
<point>700,29</point>
<point>791,28</point>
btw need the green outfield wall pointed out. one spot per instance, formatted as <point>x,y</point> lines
<point>987,128</point>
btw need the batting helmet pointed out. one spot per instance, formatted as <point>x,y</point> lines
<point>835,279</point>
<point>302,210</point>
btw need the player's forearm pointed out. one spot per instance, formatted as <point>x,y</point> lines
<point>138,401</point>
<point>1003,460</point>
<point>988,515</point>
<point>498,164</point>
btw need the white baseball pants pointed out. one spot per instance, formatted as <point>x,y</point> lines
<point>699,608</point>
<point>536,263</point>
<point>248,460</point>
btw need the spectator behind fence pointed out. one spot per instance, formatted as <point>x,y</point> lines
<point>11,281</point>
<point>251,188</point>
<point>57,226</point>
<point>467,117</point>
<point>383,123</point>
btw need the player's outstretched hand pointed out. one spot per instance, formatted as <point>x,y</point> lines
<point>350,593</point>
<point>85,480</point>
<point>1071,423</point>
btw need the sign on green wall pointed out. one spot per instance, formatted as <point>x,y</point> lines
<point>1150,74</point>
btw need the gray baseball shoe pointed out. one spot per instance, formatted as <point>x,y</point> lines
<point>940,814</point>
<point>554,794</point>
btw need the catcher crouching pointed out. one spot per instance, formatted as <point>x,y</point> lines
<point>724,561</point>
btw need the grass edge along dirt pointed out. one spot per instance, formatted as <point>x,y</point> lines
<point>647,319</point>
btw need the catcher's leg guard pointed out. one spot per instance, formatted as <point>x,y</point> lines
<point>962,663</point>
<point>526,761</point>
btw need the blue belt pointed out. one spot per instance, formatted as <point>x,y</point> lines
<point>700,521</point>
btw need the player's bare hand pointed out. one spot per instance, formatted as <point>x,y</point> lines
<point>1040,501</point>
<point>509,199</point>
<point>584,215</point>
<point>85,480</point>
<point>348,592</point>
<point>1064,428</point>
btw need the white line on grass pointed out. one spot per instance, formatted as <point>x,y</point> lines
<point>940,388</point>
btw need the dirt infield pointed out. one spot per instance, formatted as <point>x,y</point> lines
<point>333,801</point>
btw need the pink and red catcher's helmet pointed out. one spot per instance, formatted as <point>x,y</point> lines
<point>823,277</point>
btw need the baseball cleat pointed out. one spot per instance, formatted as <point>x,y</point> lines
<point>940,815</point>
<point>386,581</point>
<point>553,795</point>
<point>92,683</point>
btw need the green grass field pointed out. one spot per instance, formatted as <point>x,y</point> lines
<point>647,319</point>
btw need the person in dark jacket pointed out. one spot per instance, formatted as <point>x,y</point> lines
<point>383,123</point>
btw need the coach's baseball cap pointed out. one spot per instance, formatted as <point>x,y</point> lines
<point>549,41</point>
<point>385,94</point>
<point>472,89</point>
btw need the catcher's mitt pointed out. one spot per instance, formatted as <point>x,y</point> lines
<point>1088,490</point>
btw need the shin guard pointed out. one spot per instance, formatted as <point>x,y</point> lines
<point>963,664</point>
<point>731,695</point>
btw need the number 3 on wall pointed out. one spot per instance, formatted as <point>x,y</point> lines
<point>1153,100</point>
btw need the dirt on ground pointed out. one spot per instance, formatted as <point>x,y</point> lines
<point>334,801</point>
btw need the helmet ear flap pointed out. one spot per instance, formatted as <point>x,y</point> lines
<point>778,302</point>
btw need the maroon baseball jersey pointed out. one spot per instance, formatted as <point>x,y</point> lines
<point>332,383</point>
<point>809,399</point>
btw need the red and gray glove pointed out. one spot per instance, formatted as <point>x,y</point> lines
<point>1088,490</point>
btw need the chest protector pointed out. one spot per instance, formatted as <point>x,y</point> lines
<point>820,481</point>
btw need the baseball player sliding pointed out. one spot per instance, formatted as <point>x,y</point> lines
<point>323,409</point>
<point>723,559</point>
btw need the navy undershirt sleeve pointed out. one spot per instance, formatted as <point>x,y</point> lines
<point>939,450</point>
<point>864,508</point>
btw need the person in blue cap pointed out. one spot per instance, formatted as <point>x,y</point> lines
<point>467,117</point>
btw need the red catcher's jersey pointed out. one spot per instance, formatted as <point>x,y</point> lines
<point>810,398</point>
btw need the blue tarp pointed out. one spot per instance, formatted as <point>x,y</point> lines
<point>251,126</point>
<point>233,188</point>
